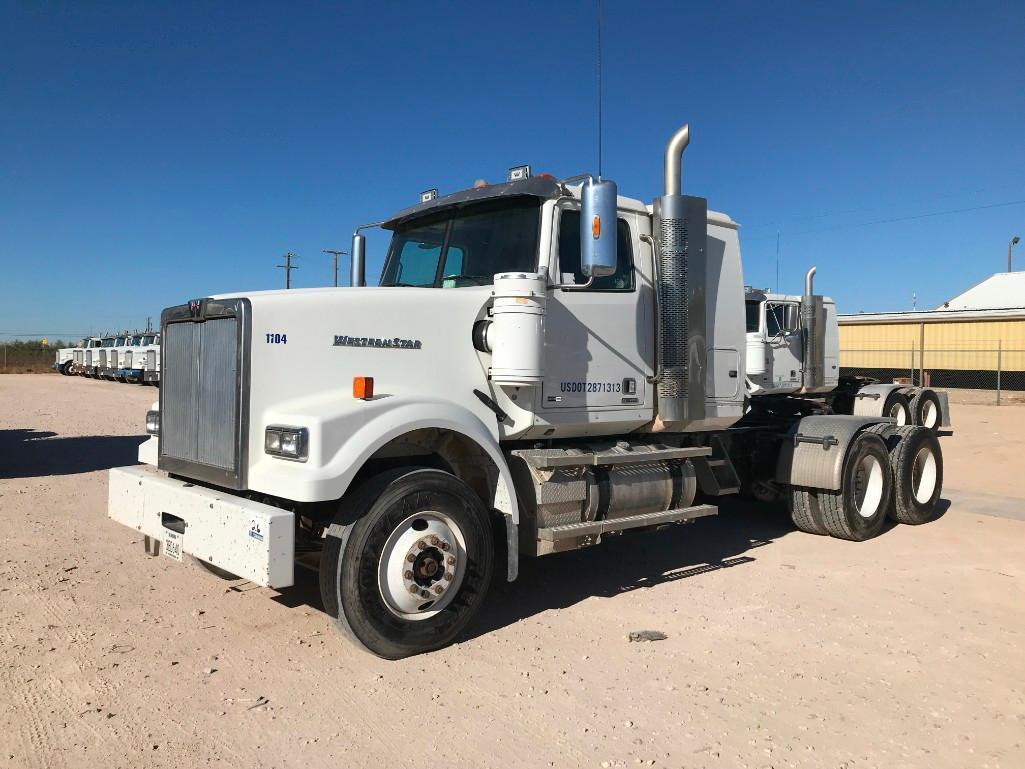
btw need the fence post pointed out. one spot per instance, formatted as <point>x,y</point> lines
<point>1000,355</point>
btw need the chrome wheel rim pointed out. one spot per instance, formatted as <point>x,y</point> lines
<point>868,486</point>
<point>924,475</point>
<point>929,414</point>
<point>898,412</point>
<point>422,565</point>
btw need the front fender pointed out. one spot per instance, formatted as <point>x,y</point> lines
<point>342,439</point>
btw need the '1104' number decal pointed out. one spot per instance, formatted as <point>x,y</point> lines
<point>277,338</point>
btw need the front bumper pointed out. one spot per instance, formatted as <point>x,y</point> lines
<point>130,373</point>
<point>151,376</point>
<point>249,539</point>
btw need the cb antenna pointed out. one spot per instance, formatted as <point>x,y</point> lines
<point>600,116</point>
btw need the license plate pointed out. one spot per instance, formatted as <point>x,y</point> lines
<point>173,545</point>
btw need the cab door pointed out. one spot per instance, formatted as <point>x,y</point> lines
<point>597,340</point>
<point>783,333</point>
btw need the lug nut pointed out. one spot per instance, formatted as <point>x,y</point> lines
<point>421,544</point>
<point>414,589</point>
<point>411,558</point>
<point>408,574</point>
<point>438,589</point>
<point>435,541</point>
<point>448,576</point>
<point>425,594</point>
<point>450,560</point>
<point>444,545</point>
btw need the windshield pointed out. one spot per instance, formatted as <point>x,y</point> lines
<point>754,311</point>
<point>466,246</point>
<point>136,341</point>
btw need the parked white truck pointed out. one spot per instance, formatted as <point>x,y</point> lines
<point>778,346</point>
<point>544,364</point>
<point>64,359</point>
<point>150,360</point>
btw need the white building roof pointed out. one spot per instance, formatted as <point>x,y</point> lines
<point>997,292</point>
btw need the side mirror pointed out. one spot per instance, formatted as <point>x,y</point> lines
<point>598,209</point>
<point>792,317</point>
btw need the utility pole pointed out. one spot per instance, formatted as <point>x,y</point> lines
<point>288,267</point>
<point>335,254</point>
<point>1014,241</point>
<point>149,324</point>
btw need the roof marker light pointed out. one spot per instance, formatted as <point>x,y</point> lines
<point>428,195</point>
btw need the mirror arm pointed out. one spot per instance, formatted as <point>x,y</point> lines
<point>574,286</point>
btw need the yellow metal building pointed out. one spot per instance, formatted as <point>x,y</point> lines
<point>981,330</point>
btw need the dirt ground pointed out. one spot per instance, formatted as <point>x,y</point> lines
<point>783,649</point>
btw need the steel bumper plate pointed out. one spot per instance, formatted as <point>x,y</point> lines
<point>250,539</point>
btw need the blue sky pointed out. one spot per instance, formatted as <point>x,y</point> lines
<point>154,152</point>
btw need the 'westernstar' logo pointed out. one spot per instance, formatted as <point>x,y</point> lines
<point>373,341</point>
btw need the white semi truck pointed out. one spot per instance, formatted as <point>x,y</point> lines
<point>544,364</point>
<point>150,360</point>
<point>94,356</point>
<point>777,347</point>
<point>64,359</point>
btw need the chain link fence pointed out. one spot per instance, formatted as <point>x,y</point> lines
<point>970,374</point>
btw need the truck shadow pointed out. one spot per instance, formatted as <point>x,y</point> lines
<point>27,453</point>
<point>634,561</point>
<point>619,565</point>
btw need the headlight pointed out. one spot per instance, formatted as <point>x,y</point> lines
<point>153,422</point>
<point>286,442</point>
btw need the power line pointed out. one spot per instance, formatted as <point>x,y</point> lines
<point>910,218</point>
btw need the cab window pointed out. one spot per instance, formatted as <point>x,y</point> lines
<point>753,308</point>
<point>780,318</point>
<point>569,255</point>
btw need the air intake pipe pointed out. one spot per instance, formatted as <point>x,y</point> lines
<point>681,227</point>
<point>813,347</point>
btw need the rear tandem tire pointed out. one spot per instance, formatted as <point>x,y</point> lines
<point>898,406</point>
<point>804,510</point>
<point>858,510</point>
<point>917,464</point>
<point>364,577</point>
<point>926,411</point>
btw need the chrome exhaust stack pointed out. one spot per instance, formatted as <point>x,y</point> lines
<point>681,227</point>
<point>813,343</point>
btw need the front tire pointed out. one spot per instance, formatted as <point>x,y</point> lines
<point>407,563</point>
<point>858,510</point>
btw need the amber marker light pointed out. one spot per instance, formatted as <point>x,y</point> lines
<point>363,387</point>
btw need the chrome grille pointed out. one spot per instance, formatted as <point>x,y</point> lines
<point>151,360</point>
<point>113,358</point>
<point>201,429</point>
<point>128,358</point>
<point>103,359</point>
